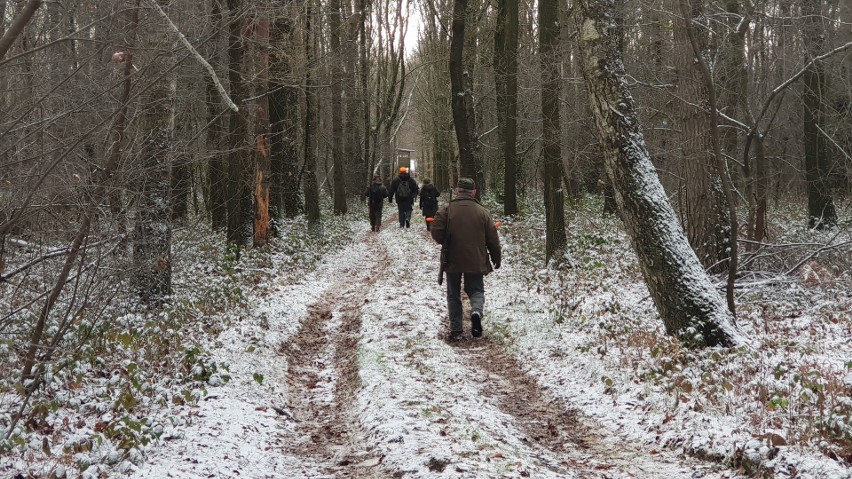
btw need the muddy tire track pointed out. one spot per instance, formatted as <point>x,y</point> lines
<point>323,379</point>
<point>549,424</point>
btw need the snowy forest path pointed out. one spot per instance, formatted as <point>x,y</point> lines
<point>354,377</point>
<point>482,396</point>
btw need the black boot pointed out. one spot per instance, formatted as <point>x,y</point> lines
<point>476,324</point>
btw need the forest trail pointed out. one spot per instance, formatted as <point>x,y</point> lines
<point>365,385</point>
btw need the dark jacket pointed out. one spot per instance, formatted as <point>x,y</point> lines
<point>429,200</point>
<point>404,203</point>
<point>472,236</point>
<point>376,194</point>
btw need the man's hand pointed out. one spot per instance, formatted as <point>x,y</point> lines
<point>497,265</point>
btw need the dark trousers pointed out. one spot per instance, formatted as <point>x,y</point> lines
<point>474,286</point>
<point>375,217</point>
<point>404,215</point>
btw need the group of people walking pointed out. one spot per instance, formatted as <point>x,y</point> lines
<point>405,191</point>
<point>468,235</point>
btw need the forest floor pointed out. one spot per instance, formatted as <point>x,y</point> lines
<point>343,369</point>
<point>369,386</point>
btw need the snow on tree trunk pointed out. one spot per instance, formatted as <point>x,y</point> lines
<point>688,304</point>
<point>462,98</point>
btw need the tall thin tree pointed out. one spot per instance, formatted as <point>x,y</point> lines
<point>506,79</point>
<point>554,202</point>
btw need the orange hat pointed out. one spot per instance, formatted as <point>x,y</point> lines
<point>403,169</point>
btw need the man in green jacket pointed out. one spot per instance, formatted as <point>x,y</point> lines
<point>472,245</point>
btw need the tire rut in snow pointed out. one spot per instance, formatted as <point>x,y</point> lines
<point>548,424</point>
<point>323,380</point>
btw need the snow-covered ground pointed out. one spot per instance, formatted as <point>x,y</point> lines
<point>344,370</point>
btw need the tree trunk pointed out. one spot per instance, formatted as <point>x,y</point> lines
<point>240,176</point>
<point>217,166</point>
<point>707,225</point>
<point>152,233</point>
<point>364,11</point>
<point>18,24</point>
<point>821,210</point>
<point>311,122</point>
<point>284,121</point>
<point>263,165</point>
<point>551,151</point>
<point>719,164</point>
<point>688,304</point>
<point>337,127</point>
<point>462,101</point>
<point>506,79</point>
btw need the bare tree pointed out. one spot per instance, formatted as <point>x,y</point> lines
<point>152,233</point>
<point>335,25</point>
<point>506,80</point>
<point>311,121</point>
<point>284,116</point>
<point>554,198</point>
<point>462,97</point>
<point>821,210</point>
<point>239,194</point>
<point>686,300</point>
<point>718,162</point>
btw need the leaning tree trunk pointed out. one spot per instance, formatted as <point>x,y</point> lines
<point>688,304</point>
<point>18,24</point>
<point>554,204</point>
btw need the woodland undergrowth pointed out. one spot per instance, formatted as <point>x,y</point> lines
<point>123,361</point>
<point>793,388</point>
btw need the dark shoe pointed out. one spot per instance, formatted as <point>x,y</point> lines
<point>456,336</point>
<point>476,324</point>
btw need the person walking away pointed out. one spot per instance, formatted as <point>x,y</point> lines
<point>376,194</point>
<point>468,233</point>
<point>429,201</point>
<point>404,190</point>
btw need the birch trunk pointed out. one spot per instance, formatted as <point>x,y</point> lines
<point>688,305</point>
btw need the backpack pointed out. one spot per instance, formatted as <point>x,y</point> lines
<point>376,195</point>
<point>403,191</point>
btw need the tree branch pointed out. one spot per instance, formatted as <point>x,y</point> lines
<point>205,63</point>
